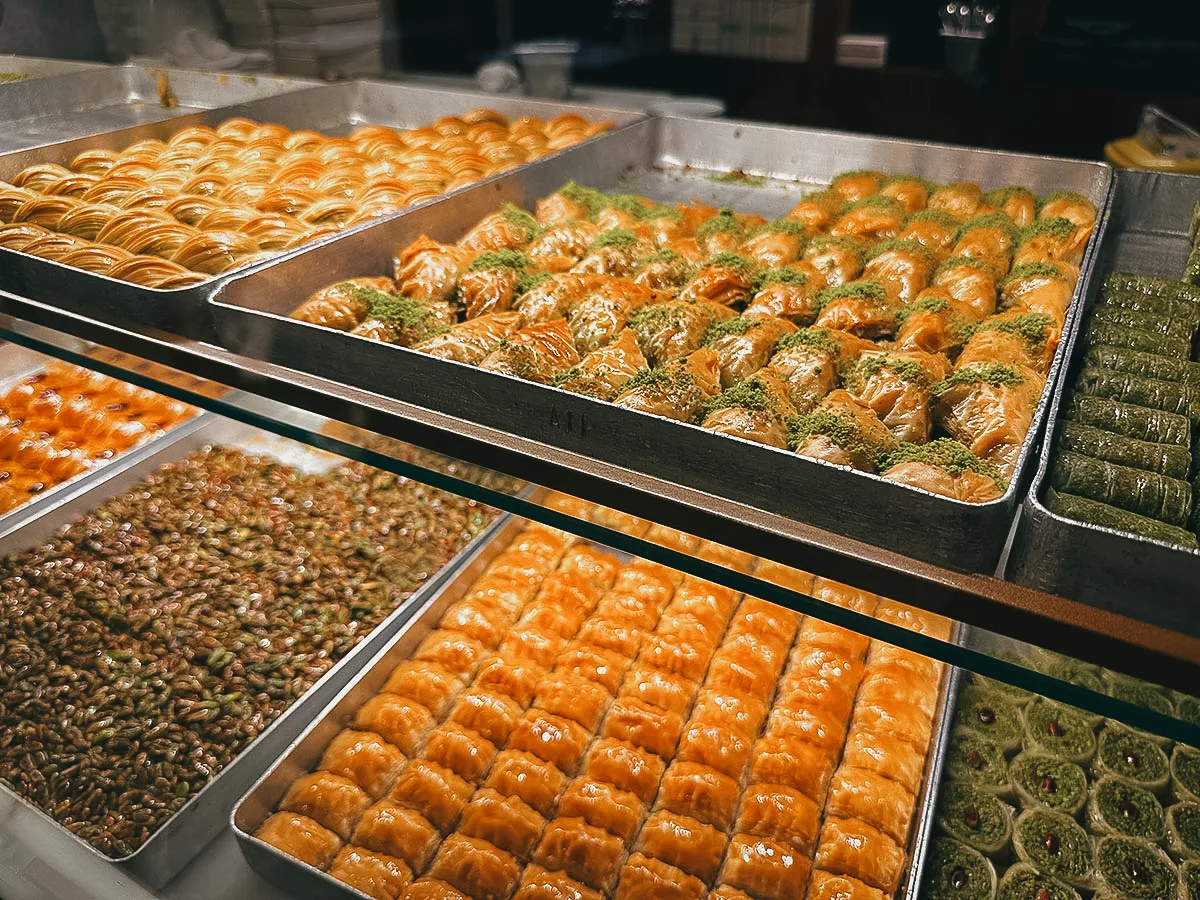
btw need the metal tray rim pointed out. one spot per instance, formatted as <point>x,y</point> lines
<point>398,618</point>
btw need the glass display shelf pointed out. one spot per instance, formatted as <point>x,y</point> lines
<point>33,864</point>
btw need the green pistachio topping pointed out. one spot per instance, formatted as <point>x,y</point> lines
<point>862,369</point>
<point>752,394</point>
<point>995,374</point>
<point>725,328</point>
<point>1072,196</point>
<point>931,304</point>
<point>502,259</point>
<point>936,216</point>
<point>948,455</point>
<point>744,267</point>
<point>857,173</point>
<point>1000,196</point>
<point>820,339</point>
<point>901,245</point>
<point>1034,270</point>
<point>590,198</point>
<point>963,262</point>
<point>528,282</point>
<point>876,201</point>
<point>1054,226</point>
<point>522,219</point>
<point>780,226</point>
<point>724,220</point>
<point>998,220</point>
<point>407,314</point>
<point>847,242</point>
<point>869,291</point>
<point>619,238</point>
<point>901,178</point>
<point>780,276</point>
<point>1034,327</point>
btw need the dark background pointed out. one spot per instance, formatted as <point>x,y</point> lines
<point>1057,76</point>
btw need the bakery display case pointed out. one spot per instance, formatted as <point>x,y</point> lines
<point>561,502</point>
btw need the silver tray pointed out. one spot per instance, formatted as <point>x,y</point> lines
<point>103,98</point>
<point>668,159</point>
<point>17,363</point>
<point>1110,569</point>
<point>30,67</point>
<point>188,830</point>
<point>334,109</point>
<point>304,754</point>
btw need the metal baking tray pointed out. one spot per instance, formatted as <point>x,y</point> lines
<point>755,168</point>
<point>30,67</point>
<point>305,752</point>
<point>186,832</point>
<point>334,109</point>
<point>18,363</point>
<point>46,110</point>
<point>1110,569</point>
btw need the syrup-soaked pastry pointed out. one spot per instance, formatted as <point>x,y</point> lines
<point>632,610</point>
<point>515,680</point>
<point>643,725</point>
<point>748,664</point>
<point>688,628</point>
<point>300,837</point>
<point>913,619</point>
<point>471,341</point>
<point>671,653</point>
<point>532,645</point>
<point>865,794</point>
<point>888,656</point>
<point>672,538</point>
<point>456,652</point>
<point>506,822</point>
<point>548,615</point>
<point>613,635</point>
<point>645,877</point>
<point>490,714</point>
<point>427,270</point>
<point>699,791</point>
<point>400,721</point>
<point>502,592</point>
<point>539,883</point>
<point>898,685</point>
<point>648,580</point>
<point>625,766</point>
<point>432,790</point>
<point>765,620</point>
<point>584,852</point>
<point>959,199</point>
<point>429,683</point>
<point>603,806</point>
<point>765,868</point>
<point>903,720</point>
<point>375,874</point>
<point>598,567</point>
<point>715,746</point>
<point>814,661</point>
<point>398,831</point>
<point>729,557</point>
<point>535,782</point>
<point>798,694</point>
<point>547,547</point>
<point>885,754</point>
<point>852,847</point>
<point>711,603</point>
<point>606,668</point>
<point>660,688</point>
<point>825,886</point>
<point>465,752</point>
<point>738,713</point>
<point>570,592</point>
<point>807,723</point>
<point>431,889</point>
<point>519,566</point>
<point>793,763</point>
<point>573,697</point>
<point>477,619</point>
<point>851,644</point>
<point>554,739</point>
<point>365,759</point>
<point>782,814</point>
<point>683,842</point>
<point>728,892</point>
<point>476,867</point>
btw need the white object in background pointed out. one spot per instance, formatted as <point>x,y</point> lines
<point>547,66</point>
<point>497,77</point>
<point>691,107</point>
<point>862,51</point>
<point>193,49</point>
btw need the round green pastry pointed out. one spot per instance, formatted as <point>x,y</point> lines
<point>1059,730</point>
<point>1044,780</point>
<point>1055,845</point>
<point>1189,880</point>
<point>1024,882</point>
<point>1135,869</point>
<point>991,715</point>
<point>1015,695</point>
<point>1131,756</point>
<point>972,757</point>
<point>1183,830</point>
<point>1187,708</point>
<point>1076,672</point>
<point>1185,773</point>
<point>954,871</point>
<point>1117,807</point>
<point>1144,694</point>
<point>975,817</point>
